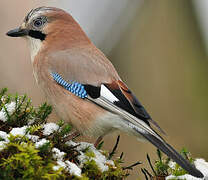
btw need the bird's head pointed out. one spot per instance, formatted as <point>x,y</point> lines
<point>49,26</point>
<point>37,23</point>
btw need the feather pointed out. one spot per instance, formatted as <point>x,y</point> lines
<point>172,153</point>
<point>112,102</point>
<point>130,103</point>
<point>149,134</point>
<point>112,99</point>
<point>104,98</point>
<point>74,87</point>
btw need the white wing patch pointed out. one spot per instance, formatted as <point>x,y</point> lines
<point>105,92</point>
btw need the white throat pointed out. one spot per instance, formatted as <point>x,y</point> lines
<point>35,46</point>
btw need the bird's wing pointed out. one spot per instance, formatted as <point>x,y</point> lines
<point>112,98</point>
<point>130,103</point>
<point>95,70</point>
<point>124,99</point>
<point>84,65</point>
<point>116,97</point>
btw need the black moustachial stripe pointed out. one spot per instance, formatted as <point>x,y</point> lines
<point>37,35</point>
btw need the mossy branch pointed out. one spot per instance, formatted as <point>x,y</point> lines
<point>31,148</point>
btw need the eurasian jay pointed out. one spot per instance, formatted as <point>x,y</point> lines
<point>82,84</point>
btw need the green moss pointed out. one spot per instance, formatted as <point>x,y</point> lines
<point>115,172</point>
<point>91,170</point>
<point>24,112</point>
<point>90,154</point>
<point>21,159</point>
<point>177,171</point>
<point>34,128</point>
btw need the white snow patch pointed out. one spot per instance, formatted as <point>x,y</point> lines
<point>31,121</point>
<point>10,109</point>
<point>56,168</point>
<point>73,169</point>
<point>71,143</point>
<point>49,128</point>
<point>4,136</point>
<point>2,145</point>
<point>57,154</point>
<point>82,158</point>
<point>61,164</point>
<point>41,143</point>
<point>100,161</point>
<point>201,165</point>
<point>69,166</point>
<point>99,158</point>
<point>19,131</point>
<point>172,164</point>
<point>184,177</point>
<point>3,116</point>
<point>110,162</point>
<point>34,138</point>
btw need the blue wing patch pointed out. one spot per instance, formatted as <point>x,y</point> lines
<point>74,87</point>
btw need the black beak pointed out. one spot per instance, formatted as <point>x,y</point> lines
<point>17,32</point>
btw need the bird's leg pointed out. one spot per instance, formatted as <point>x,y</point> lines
<point>97,142</point>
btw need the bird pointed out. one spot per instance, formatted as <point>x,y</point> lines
<point>82,84</point>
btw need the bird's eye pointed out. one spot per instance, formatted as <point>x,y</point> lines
<point>38,22</point>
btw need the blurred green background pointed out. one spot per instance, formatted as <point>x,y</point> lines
<point>160,54</point>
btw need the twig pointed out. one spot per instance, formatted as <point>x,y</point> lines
<point>100,145</point>
<point>159,155</point>
<point>121,156</point>
<point>114,148</point>
<point>144,174</point>
<point>72,136</point>
<point>151,177</point>
<point>148,158</point>
<point>131,166</point>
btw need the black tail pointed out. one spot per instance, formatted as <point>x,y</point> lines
<point>172,153</point>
